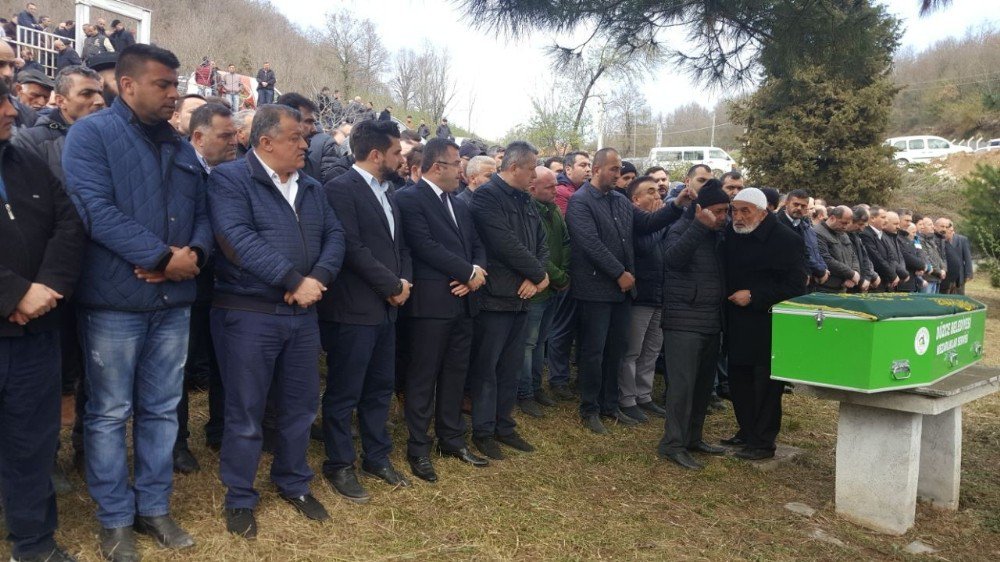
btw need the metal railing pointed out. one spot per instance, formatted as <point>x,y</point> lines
<point>40,43</point>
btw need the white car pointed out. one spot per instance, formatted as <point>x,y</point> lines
<point>922,148</point>
<point>670,157</point>
<point>993,144</point>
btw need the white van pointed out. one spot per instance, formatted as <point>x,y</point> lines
<point>922,148</point>
<point>673,156</point>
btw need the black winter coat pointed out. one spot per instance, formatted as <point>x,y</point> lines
<point>838,253</point>
<point>516,247</point>
<point>45,142</point>
<point>883,259</point>
<point>867,268</point>
<point>321,158</point>
<point>43,239</point>
<point>769,263</point>
<point>649,268</point>
<point>694,278</point>
<point>601,235</point>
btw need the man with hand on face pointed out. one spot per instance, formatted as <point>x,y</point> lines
<point>602,226</point>
<point>135,294</point>
<point>662,179</point>
<point>764,264</point>
<point>692,322</point>
<point>358,317</point>
<point>516,250</point>
<point>449,266</point>
<point>280,247</point>
<point>39,266</point>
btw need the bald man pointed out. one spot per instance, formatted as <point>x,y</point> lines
<point>26,116</point>
<point>530,394</point>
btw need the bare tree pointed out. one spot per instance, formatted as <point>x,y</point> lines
<point>356,47</point>
<point>404,80</point>
<point>434,89</point>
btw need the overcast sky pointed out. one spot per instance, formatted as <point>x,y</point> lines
<point>484,65</point>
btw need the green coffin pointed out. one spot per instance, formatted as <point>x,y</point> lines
<point>875,343</point>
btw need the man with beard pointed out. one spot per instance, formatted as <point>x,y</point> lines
<point>104,64</point>
<point>765,264</point>
<point>358,316</point>
<point>662,179</point>
<point>794,217</point>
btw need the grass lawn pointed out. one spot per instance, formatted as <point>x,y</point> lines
<point>587,497</point>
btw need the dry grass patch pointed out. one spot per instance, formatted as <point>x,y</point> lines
<point>584,497</point>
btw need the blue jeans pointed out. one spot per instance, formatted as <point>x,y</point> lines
<point>930,288</point>
<point>135,369</point>
<point>540,317</point>
<point>264,96</point>
<point>234,102</point>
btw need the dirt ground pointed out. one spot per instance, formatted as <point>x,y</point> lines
<point>587,497</point>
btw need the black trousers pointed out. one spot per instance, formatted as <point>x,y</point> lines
<point>603,340</point>
<point>693,361</point>
<point>757,404</point>
<point>29,431</point>
<point>438,363</point>
<point>71,352</point>
<point>497,358</point>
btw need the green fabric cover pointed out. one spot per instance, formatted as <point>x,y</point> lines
<point>880,306</point>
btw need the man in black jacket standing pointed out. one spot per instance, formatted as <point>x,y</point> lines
<point>516,250</point>
<point>764,264</point>
<point>602,224</point>
<point>449,266</point>
<point>358,314</point>
<point>36,273</point>
<point>265,85</point>
<point>692,322</point>
<point>838,252</point>
<point>879,251</point>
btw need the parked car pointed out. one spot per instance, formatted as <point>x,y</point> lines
<point>672,157</point>
<point>992,144</point>
<point>922,148</point>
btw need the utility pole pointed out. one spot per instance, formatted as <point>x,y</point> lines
<point>659,133</point>
<point>712,142</point>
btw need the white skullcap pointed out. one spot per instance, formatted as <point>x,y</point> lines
<point>753,196</point>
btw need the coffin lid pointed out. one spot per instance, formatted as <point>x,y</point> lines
<point>883,306</point>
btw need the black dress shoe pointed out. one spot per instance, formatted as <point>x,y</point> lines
<point>55,555</point>
<point>184,461</point>
<point>754,454</point>
<point>387,474</point>
<point>654,409</point>
<point>464,455</point>
<point>515,441</point>
<point>345,482</point>
<point>684,459</point>
<point>734,441</point>
<point>240,521</point>
<point>594,424</point>
<point>702,447</point>
<point>530,407</point>
<point>165,530</point>
<point>621,418</point>
<point>422,468</point>
<point>488,446</point>
<point>118,545</point>
<point>309,506</point>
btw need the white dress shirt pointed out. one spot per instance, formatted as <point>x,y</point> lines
<point>438,191</point>
<point>381,193</point>
<point>289,189</point>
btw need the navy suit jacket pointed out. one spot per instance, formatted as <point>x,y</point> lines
<point>442,252</point>
<point>374,261</point>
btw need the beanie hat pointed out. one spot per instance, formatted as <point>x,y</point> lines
<point>753,196</point>
<point>772,195</point>
<point>712,194</point>
<point>628,168</point>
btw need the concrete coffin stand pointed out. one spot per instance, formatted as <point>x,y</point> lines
<point>894,447</point>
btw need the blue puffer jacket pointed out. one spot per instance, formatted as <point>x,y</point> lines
<point>138,193</point>
<point>264,247</point>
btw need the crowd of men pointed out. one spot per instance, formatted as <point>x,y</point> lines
<point>164,242</point>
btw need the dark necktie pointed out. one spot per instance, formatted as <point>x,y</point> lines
<point>444,201</point>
